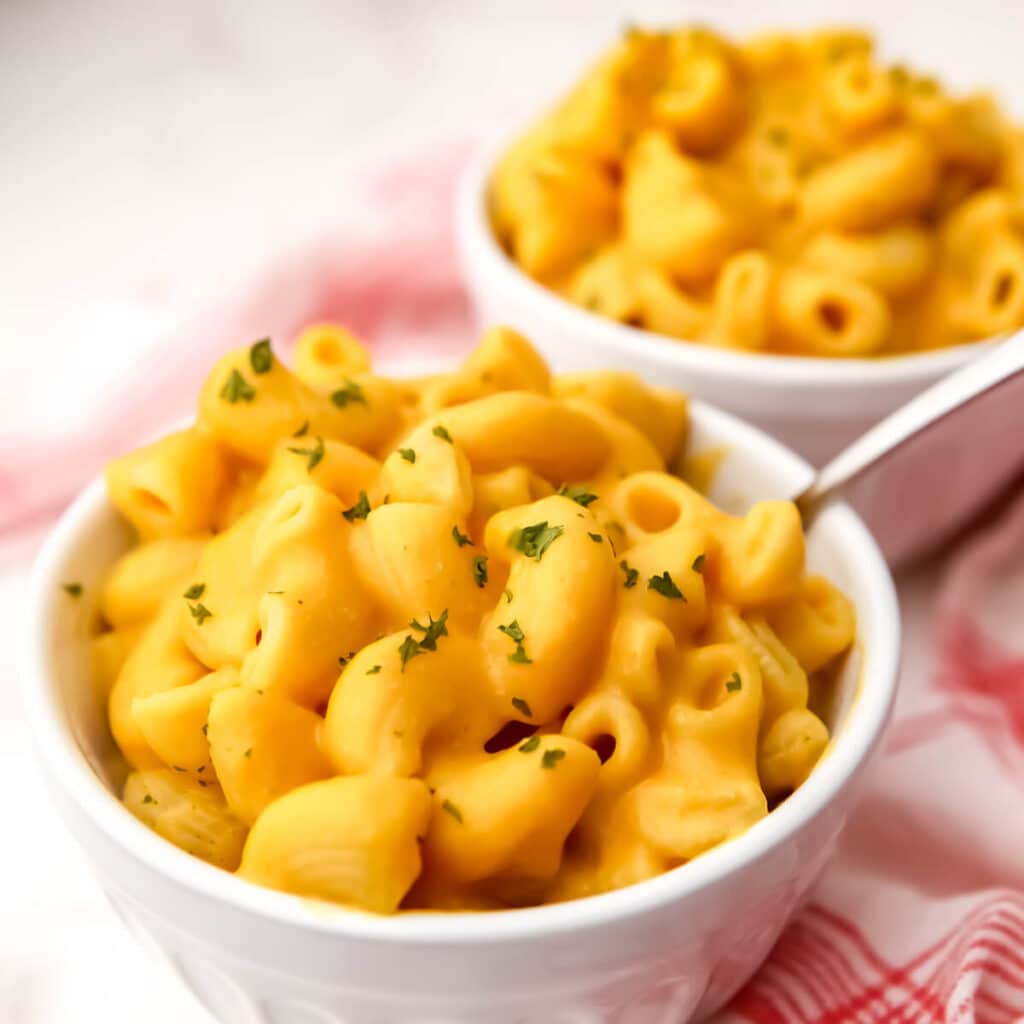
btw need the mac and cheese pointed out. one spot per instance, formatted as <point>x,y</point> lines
<point>782,194</point>
<point>454,642</point>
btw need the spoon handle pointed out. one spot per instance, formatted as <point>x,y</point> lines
<point>951,393</point>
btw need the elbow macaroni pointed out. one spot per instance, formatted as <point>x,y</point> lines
<point>503,659</point>
<point>783,194</point>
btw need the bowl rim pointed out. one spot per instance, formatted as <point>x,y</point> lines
<point>480,254</point>
<point>68,768</point>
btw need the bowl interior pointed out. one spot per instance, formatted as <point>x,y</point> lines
<point>72,733</point>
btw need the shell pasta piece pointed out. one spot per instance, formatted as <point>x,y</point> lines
<point>470,647</point>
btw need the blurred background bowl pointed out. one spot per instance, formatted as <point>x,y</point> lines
<point>814,405</point>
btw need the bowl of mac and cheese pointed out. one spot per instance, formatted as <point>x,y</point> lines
<point>782,225</point>
<point>489,695</point>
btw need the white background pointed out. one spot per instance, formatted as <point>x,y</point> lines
<point>154,155</point>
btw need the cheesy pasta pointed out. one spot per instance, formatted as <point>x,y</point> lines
<point>459,642</point>
<point>779,194</point>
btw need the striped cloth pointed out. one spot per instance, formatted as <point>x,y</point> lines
<point>920,918</point>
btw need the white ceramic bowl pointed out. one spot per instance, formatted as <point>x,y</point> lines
<point>814,405</point>
<point>663,950</point>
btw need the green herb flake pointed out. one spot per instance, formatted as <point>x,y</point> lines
<point>666,586</point>
<point>237,389</point>
<point>530,745</point>
<point>460,538</point>
<point>432,631</point>
<point>734,683</point>
<point>631,574</point>
<point>373,671</point>
<point>508,597</point>
<point>344,659</point>
<point>409,454</point>
<point>551,757</point>
<point>442,433</point>
<point>578,494</point>
<point>194,592</point>
<point>313,455</point>
<point>148,799</point>
<point>480,571</point>
<point>206,728</point>
<point>248,753</point>
<point>351,392</point>
<point>408,649</point>
<point>449,808</point>
<point>360,510</point>
<point>513,631</point>
<point>200,613</point>
<point>698,563</point>
<point>303,430</point>
<point>519,656</point>
<point>534,540</point>
<point>522,707</point>
<point>595,537</point>
<point>261,359</point>
<point>72,589</point>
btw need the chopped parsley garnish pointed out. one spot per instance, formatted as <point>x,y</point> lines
<point>595,537</point>
<point>631,574</point>
<point>666,586</point>
<point>522,707</point>
<point>276,593</point>
<point>148,799</point>
<point>508,597</point>
<point>200,613</point>
<point>442,433</point>
<point>314,455</point>
<point>261,359</point>
<point>248,753</point>
<point>530,745</point>
<point>432,631</point>
<point>237,389</point>
<point>206,728</point>
<point>351,392</point>
<point>460,538</point>
<point>303,430</point>
<point>734,683</point>
<point>408,649</point>
<point>515,633</point>
<point>551,757</point>
<point>345,659</point>
<point>534,540</point>
<point>409,454</point>
<point>480,571</point>
<point>578,494</point>
<point>698,563</point>
<point>194,592</point>
<point>360,510</point>
<point>450,808</point>
<point>373,671</point>
<point>73,589</point>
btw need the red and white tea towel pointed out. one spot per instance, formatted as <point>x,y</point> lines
<point>920,918</point>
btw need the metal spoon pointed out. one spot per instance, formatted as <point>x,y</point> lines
<point>943,458</point>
